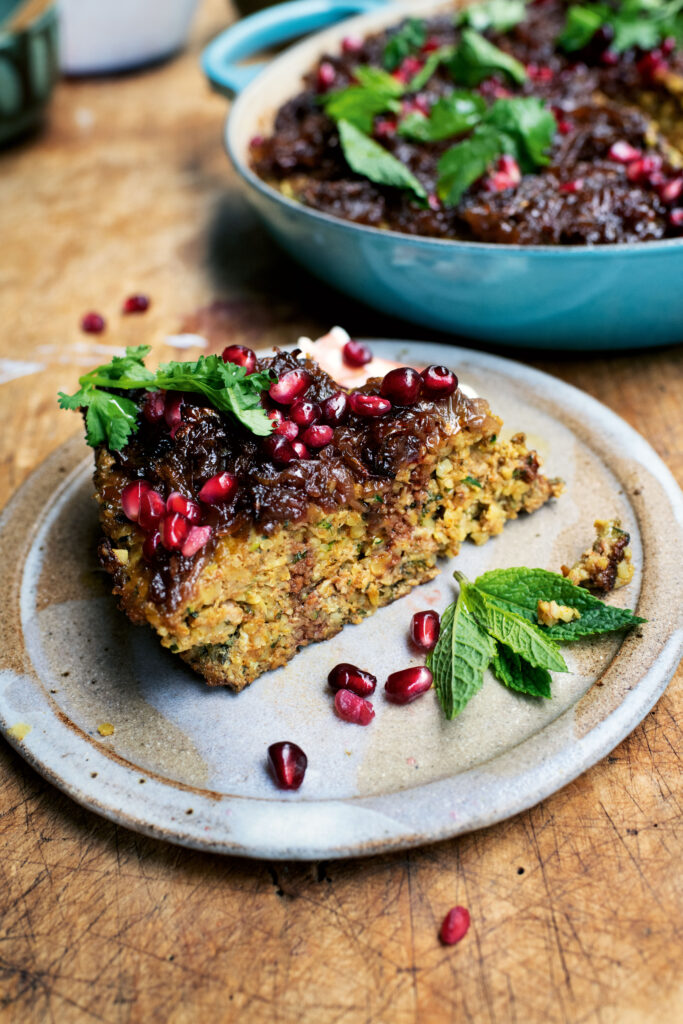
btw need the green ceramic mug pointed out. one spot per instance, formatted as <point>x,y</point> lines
<point>28,63</point>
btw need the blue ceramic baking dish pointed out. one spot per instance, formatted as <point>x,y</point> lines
<point>571,297</point>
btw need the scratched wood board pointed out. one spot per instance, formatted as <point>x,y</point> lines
<point>576,905</point>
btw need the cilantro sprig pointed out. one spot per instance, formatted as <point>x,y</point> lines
<point>111,419</point>
<point>495,622</point>
<point>634,23</point>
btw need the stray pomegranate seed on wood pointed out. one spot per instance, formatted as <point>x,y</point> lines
<point>455,926</point>
<point>136,304</point>
<point>93,323</point>
<point>288,764</point>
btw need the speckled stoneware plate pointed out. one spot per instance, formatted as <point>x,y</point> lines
<point>187,763</point>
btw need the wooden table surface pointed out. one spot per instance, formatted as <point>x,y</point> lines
<point>576,905</point>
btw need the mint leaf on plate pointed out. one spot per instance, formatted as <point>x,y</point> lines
<point>518,674</point>
<point>367,157</point>
<point>519,590</point>
<point>451,115</point>
<point>514,630</point>
<point>476,59</point>
<point>462,654</point>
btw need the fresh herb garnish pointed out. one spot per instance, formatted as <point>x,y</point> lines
<point>452,115</point>
<point>641,24</point>
<point>367,157</point>
<point>111,419</point>
<point>495,622</point>
<point>377,92</point>
<point>476,59</point>
<point>471,481</point>
<point>523,127</point>
<point>500,15</point>
<point>407,40</point>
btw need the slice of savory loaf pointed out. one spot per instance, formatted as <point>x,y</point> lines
<point>239,550</point>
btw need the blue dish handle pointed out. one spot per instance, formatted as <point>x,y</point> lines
<point>267,28</point>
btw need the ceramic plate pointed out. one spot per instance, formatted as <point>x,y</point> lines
<point>187,763</point>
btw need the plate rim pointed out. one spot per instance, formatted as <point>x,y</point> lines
<point>387,833</point>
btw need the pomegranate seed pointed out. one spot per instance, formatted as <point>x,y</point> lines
<point>347,677</point>
<point>152,508</point>
<point>287,429</point>
<point>609,58</point>
<point>255,141</point>
<point>335,408</point>
<point>136,304</point>
<point>668,45</point>
<point>353,708</point>
<point>93,323</point>
<point>640,170</point>
<point>507,176</point>
<point>455,926</point>
<point>652,66</point>
<point>241,356</point>
<point>173,411</point>
<point>433,202</point>
<point>424,629</point>
<point>326,76</point>
<point>304,413</point>
<point>411,66</point>
<point>276,417</point>
<point>218,489</point>
<point>279,450</point>
<point>385,129</point>
<point>572,186</point>
<point>623,152</point>
<point>416,105</point>
<point>430,44</point>
<point>152,541</point>
<point>174,529</point>
<point>676,218</point>
<point>493,89</point>
<point>317,436</point>
<point>131,496</point>
<point>177,502</point>
<point>671,190</point>
<point>289,386</point>
<point>288,764</point>
<point>196,539</point>
<point>355,353</point>
<point>564,127</point>
<point>402,386</point>
<point>368,405</point>
<point>407,685</point>
<point>540,73</point>
<point>154,406</point>
<point>352,44</point>
<point>300,450</point>
<point>439,381</point>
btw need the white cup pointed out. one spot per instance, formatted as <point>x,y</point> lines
<point>98,36</point>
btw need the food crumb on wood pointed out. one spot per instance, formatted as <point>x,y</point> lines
<point>105,729</point>
<point>607,564</point>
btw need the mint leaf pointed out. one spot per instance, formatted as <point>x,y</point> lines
<point>460,658</point>
<point>519,590</point>
<point>581,25</point>
<point>476,59</point>
<point>466,162</point>
<point>518,674</point>
<point>452,115</point>
<point>367,157</point>
<point>437,57</point>
<point>529,122</point>
<point>409,38</point>
<point>500,15</point>
<point>376,93</point>
<point>512,629</point>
